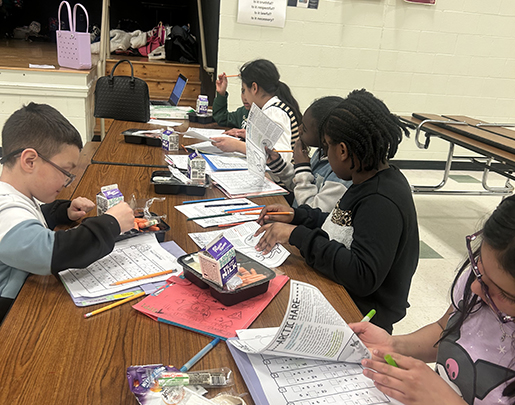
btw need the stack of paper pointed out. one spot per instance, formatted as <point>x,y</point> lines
<point>219,162</point>
<point>243,184</point>
<point>130,258</point>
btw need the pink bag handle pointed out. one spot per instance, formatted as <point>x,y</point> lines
<point>72,25</point>
<point>75,16</point>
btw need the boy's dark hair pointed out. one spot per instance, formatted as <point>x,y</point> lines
<point>366,126</point>
<point>499,234</point>
<point>265,74</point>
<point>38,126</point>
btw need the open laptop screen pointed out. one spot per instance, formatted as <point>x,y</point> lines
<point>178,89</point>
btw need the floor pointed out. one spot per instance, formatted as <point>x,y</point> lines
<point>444,221</point>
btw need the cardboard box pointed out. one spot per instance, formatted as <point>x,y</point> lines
<point>108,197</point>
<point>218,261</point>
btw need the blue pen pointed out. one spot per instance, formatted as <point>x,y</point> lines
<point>198,201</point>
<point>189,364</point>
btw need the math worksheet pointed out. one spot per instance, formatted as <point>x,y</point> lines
<point>133,257</point>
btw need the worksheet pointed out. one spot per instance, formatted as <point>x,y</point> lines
<point>243,239</point>
<point>133,257</point>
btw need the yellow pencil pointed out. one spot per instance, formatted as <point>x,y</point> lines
<point>283,151</point>
<point>143,277</point>
<point>97,311</point>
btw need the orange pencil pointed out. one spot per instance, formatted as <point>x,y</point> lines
<point>244,209</point>
<point>232,75</point>
<point>233,224</point>
<point>268,213</point>
<point>184,147</point>
<point>143,277</point>
<point>283,151</point>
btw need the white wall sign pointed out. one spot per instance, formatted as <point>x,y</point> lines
<point>268,13</point>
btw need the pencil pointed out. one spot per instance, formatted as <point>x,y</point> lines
<point>206,200</point>
<point>234,211</point>
<point>268,213</point>
<point>97,311</point>
<point>283,151</point>
<point>208,216</point>
<point>184,147</point>
<point>233,224</point>
<point>143,277</point>
<point>232,75</point>
<point>225,205</point>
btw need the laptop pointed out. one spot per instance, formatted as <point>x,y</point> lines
<point>177,91</point>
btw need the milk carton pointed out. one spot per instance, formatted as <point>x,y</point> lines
<point>108,197</point>
<point>169,140</point>
<point>202,104</point>
<point>196,168</point>
<point>218,261</point>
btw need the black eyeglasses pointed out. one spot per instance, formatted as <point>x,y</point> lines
<point>69,177</point>
<point>488,299</point>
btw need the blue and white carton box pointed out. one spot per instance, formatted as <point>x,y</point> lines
<point>197,168</point>
<point>218,261</point>
<point>108,197</point>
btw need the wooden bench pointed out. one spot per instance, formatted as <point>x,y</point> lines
<point>491,142</point>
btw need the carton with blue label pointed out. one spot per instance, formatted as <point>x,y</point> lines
<point>108,197</point>
<point>196,168</point>
<point>218,261</point>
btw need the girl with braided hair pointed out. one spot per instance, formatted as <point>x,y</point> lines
<point>473,343</point>
<point>260,85</point>
<point>369,242</point>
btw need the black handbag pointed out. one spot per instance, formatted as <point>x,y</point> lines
<point>122,98</point>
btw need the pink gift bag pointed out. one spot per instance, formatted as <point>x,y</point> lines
<point>73,48</point>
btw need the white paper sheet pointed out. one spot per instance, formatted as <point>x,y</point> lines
<point>133,257</point>
<point>243,182</point>
<point>243,240</point>
<point>204,134</point>
<point>311,329</point>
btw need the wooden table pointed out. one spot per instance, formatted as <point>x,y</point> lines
<point>52,355</point>
<point>114,150</point>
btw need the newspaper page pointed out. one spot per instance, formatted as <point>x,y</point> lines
<point>311,329</point>
<point>261,132</point>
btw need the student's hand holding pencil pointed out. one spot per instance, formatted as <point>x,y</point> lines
<point>79,207</point>
<point>267,214</point>
<point>221,84</point>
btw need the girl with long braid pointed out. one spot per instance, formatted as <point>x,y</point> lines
<point>473,344</point>
<point>369,242</point>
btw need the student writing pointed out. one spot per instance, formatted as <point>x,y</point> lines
<point>369,242</point>
<point>40,148</point>
<point>473,344</point>
<point>312,181</point>
<point>261,85</point>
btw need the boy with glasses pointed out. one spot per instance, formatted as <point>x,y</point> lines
<point>40,148</point>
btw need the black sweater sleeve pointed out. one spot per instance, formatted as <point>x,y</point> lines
<point>56,213</point>
<point>309,217</point>
<point>79,247</point>
<point>377,227</point>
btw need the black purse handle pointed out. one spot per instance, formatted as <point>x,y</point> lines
<point>114,67</point>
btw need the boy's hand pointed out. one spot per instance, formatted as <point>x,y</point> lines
<point>239,133</point>
<point>265,217</point>
<point>271,155</point>
<point>412,383</point>
<point>300,152</point>
<point>274,233</point>
<point>124,215</point>
<point>221,84</point>
<point>79,207</point>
